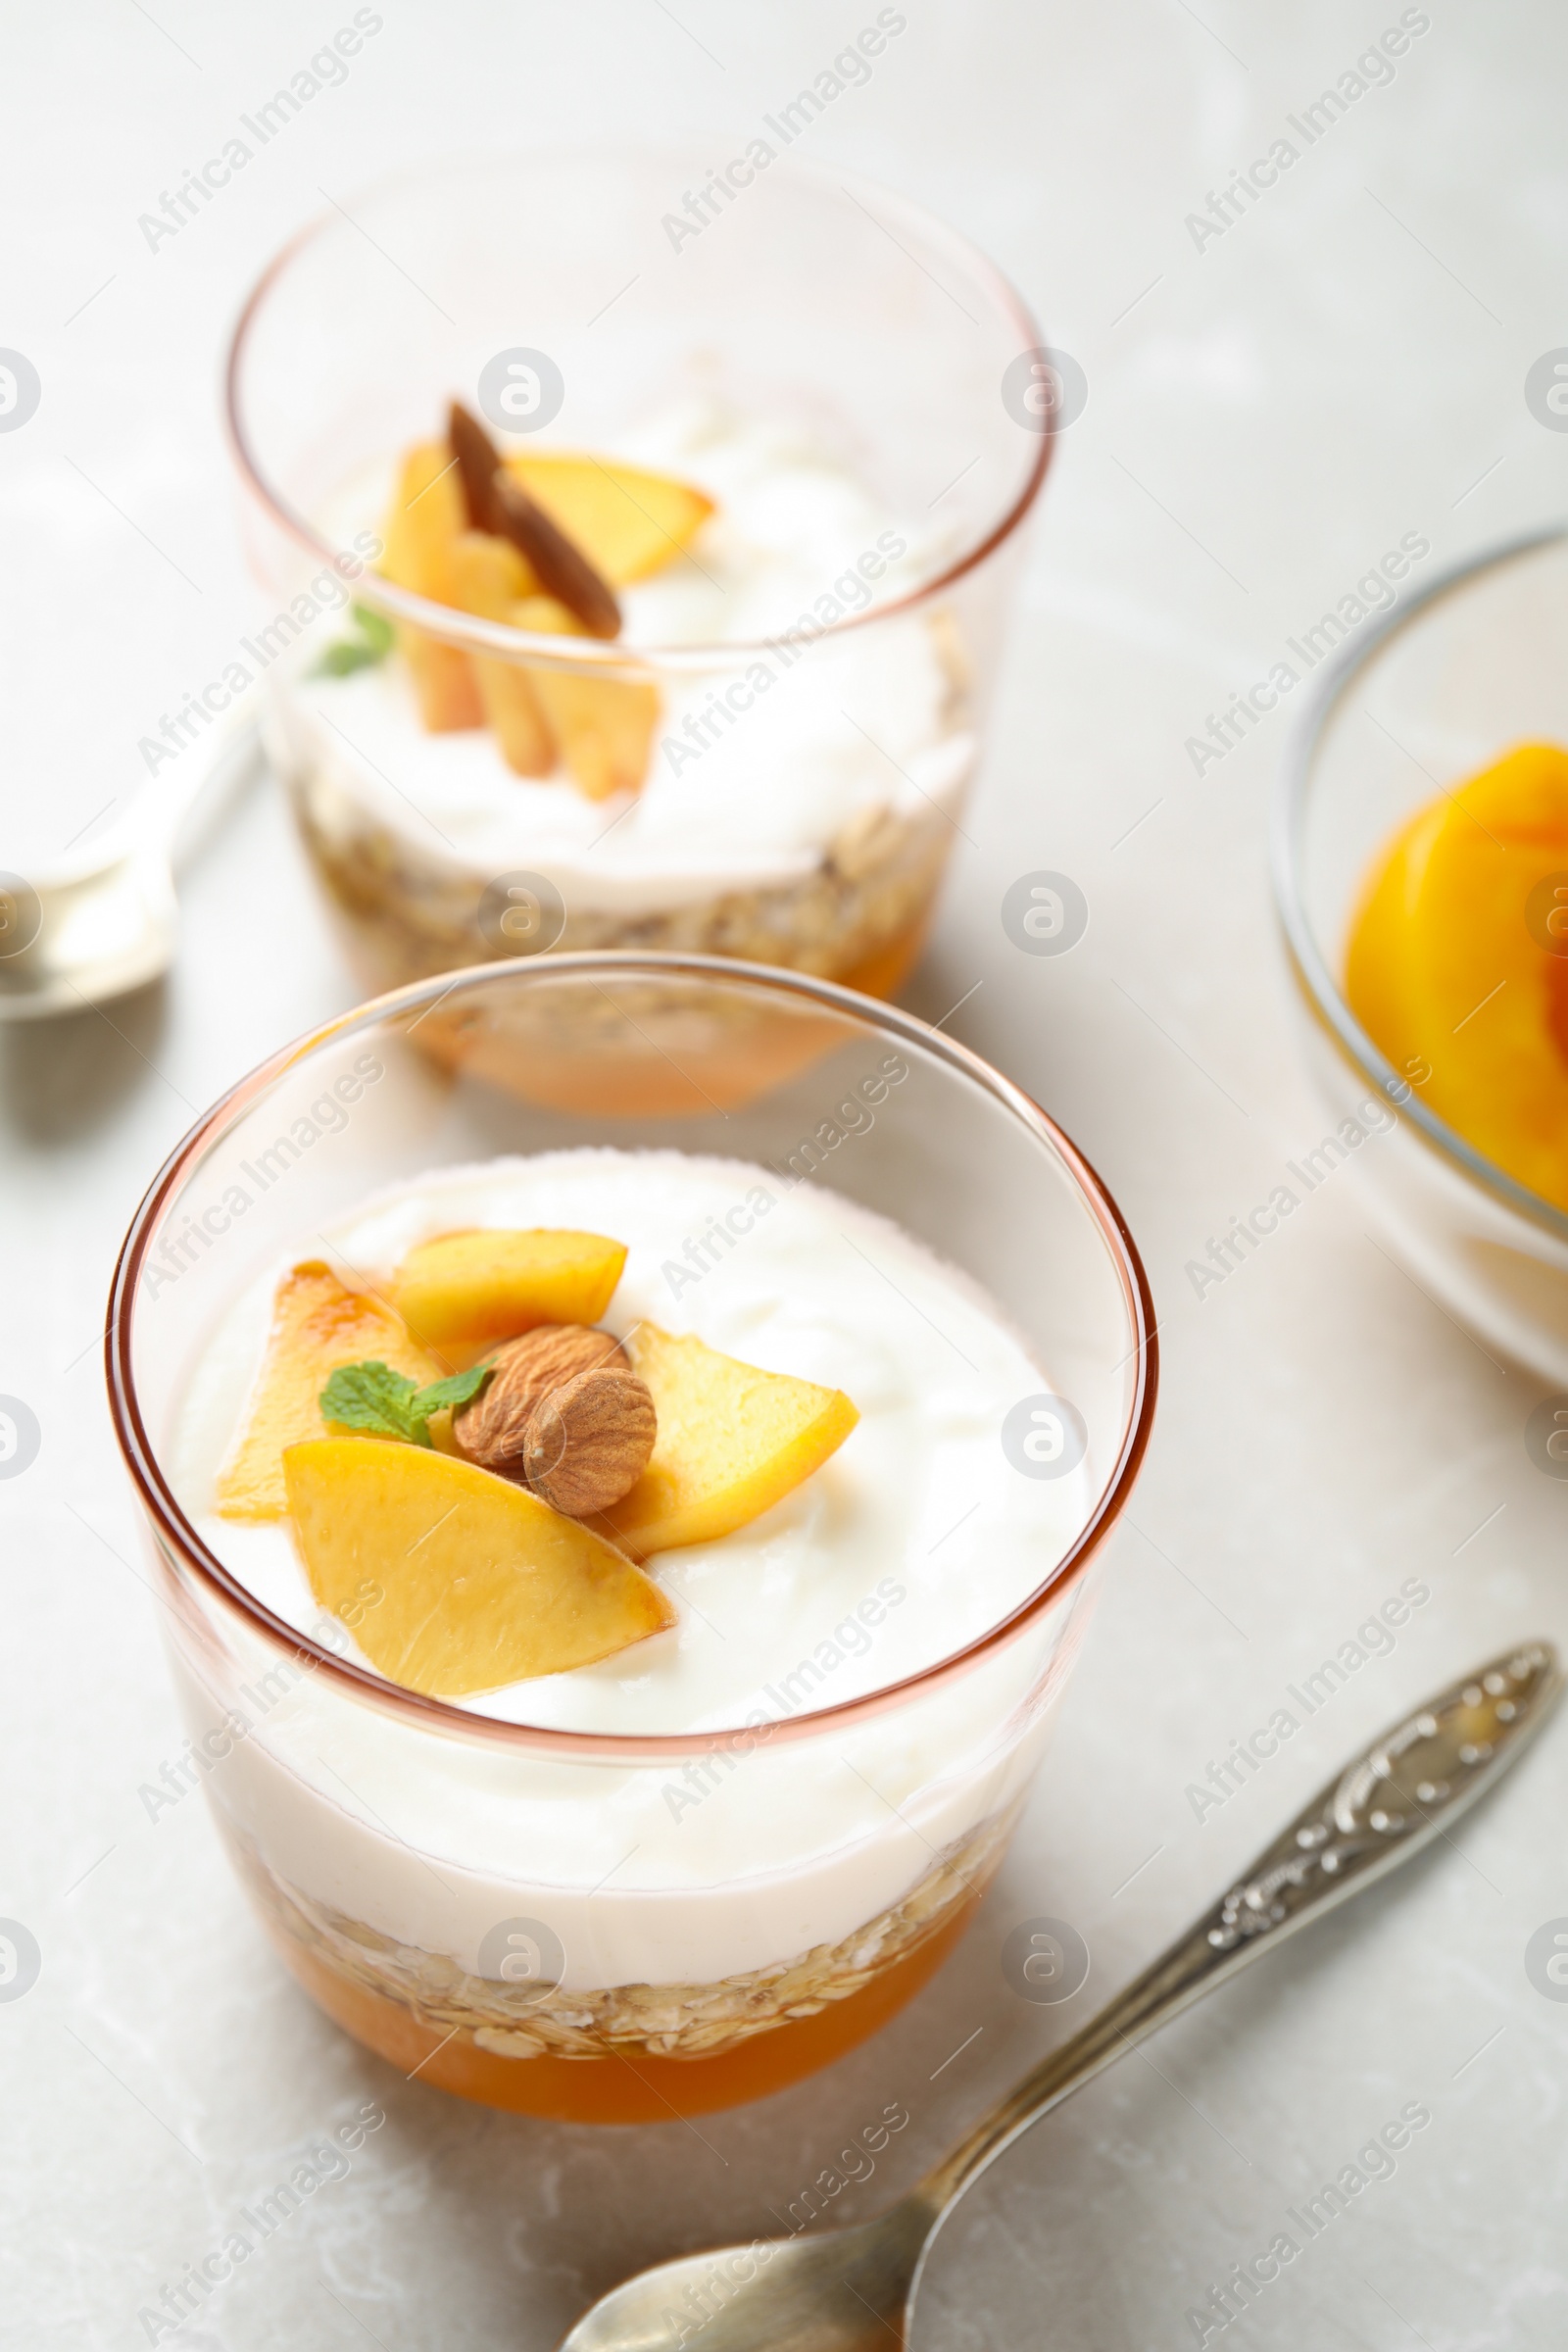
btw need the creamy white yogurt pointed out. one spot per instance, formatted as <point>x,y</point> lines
<point>920,1499</point>
<point>912,1541</point>
<point>755,768</point>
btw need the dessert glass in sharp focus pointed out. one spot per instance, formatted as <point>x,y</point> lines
<point>590,1914</point>
<point>827,362</point>
<point>1435,692</point>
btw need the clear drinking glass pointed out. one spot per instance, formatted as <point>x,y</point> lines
<point>815,776</point>
<point>384,1835</point>
<point>1444,685</point>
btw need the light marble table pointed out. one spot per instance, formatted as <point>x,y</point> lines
<point>1269,408</point>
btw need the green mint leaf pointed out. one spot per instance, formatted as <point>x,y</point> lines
<point>372,1396</point>
<point>385,1403</point>
<point>375,628</point>
<point>349,654</point>
<point>456,1390</point>
<point>341,660</point>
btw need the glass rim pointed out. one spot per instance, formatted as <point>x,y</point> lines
<point>470,630</point>
<point>442,1716</point>
<point>1316,982</point>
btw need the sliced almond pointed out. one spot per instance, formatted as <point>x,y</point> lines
<point>497,502</point>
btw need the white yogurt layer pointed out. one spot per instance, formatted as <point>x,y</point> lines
<point>919,1505</point>
<point>910,1541</point>
<point>756,767</point>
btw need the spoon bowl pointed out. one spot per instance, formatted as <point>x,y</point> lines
<point>842,2290</point>
<point>106,921</point>
<point>85,938</point>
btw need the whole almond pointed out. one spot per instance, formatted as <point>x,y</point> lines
<point>493,1430</point>
<point>589,1440</point>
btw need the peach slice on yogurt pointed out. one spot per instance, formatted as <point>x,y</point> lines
<point>630,523</point>
<point>421,528</point>
<point>732,1442</point>
<point>605,726</point>
<point>471,1287</point>
<point>318,1326</point>
<point>481,1582</point>
<point>489,577</point>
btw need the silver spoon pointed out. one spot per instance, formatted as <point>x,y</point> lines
<point>853,2290</point>
<point>92,926</point>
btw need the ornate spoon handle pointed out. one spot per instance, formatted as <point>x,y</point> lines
<point>1393,1799</point>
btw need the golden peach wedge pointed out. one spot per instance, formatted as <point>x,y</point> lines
<point>480,1286</point>
<point>488,577</point>
<point>1457,961</point>
<point>481,1583</point>
<point>423,523</point>
<point>605,726</point>
<point>732,1442</point>
<point>629,524</point>
<point>318,1325</point>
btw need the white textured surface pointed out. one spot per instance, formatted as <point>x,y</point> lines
<point>1346,364</point>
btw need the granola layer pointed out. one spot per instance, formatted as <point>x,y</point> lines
<point>413,917</point>
<point>666,2021</point>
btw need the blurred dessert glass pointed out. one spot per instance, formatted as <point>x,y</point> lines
<point>826,363</point>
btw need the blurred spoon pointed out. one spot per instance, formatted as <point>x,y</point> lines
<point>92,926</point>
<point>853,2290</point>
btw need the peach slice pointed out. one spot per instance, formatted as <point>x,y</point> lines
<point>630,523</point>
<point>317,1326</point>
<point>1377,967</point>
<point>1452,964</point>
<point>488,576</point>
<point>424,519</point>
<point>605,726</point>
<point>732,1442</point>
<point>481,1583</point>
<point>489,1285</point>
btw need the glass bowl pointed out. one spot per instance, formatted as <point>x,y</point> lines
<point>393,1843</point>
<point>1435,691</point>
<point>805,780</point>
